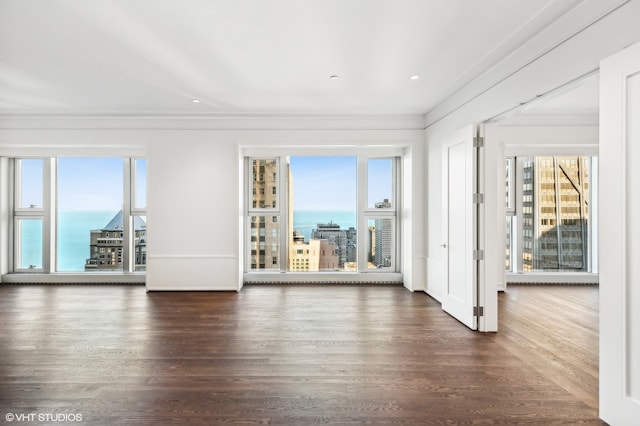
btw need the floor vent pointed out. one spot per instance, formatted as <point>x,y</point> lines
<point>553,283</point>
<point>338,283</point>
<point>71,283</point>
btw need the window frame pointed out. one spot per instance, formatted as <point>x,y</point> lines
<point>267,212</point>
<point>43,213</point>
<point>517,248</point>
<point>391,274</point>
<point>48,215</point>
<point>510,182</point>
<point>366,213</point>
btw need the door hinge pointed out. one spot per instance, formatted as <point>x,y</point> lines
<point>478,254</point>
<point>478,311</point>
<point>478,142</point>
<point>478,198</point>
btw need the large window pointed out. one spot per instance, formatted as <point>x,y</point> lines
<point>29,215</point>
<point>89,214</point>
<point>323,198</point>
<point>321,214</point>
<point>550,227</point>
<point>75,214</point>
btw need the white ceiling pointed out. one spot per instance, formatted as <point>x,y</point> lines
<point>581,97</point>
<point>254,56</point>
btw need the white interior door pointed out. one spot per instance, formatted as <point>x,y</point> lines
<point>459,226</point>
<point>619,237</point>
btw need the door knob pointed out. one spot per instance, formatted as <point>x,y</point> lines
<point>443,245</point>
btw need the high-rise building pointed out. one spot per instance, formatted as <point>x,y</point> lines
<point>555,211</point>
<point>352,245</point>
<point>383,238</point>
<point>372,243</point>
<point>338,237</point>
<point>105,247</point>
<point>312,256</point>
<point>265,229</point>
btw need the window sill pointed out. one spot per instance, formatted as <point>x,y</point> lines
<point>75,278</point>
<point>323,278</point>
<point>553,278</point>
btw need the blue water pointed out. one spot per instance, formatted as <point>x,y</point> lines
<point>30,231</point>
<point>305,220</point>
<point>74,236</point>
<point>74,230</point>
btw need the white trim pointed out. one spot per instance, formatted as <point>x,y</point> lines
<point>135,210</point>
<point>550,150</point>
<point>192,288</point>
<point>382,150</point>
<point>70,278</point>
<point>191,256</point>
<point>6,229</point>
<point>219,121</point>
<point>559,118</point>
<point>324,277</point>
<point>27,150</point>
<point>553,278</point>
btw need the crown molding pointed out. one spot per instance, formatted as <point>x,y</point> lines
<point>214,121</point>
<point>550,118</point>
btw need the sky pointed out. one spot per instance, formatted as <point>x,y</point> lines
<point>84,184</point>
<point>321,183</point>
<point>329,183</point>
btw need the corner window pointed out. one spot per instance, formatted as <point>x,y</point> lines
<point>79,214</point>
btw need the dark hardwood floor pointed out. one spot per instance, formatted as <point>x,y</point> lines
<point>295,355</point>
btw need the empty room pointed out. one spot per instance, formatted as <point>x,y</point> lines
<point>335,212</point>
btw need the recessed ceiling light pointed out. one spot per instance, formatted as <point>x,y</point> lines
<point>414,77</point>
<point>333,77</point>
<point>195,101</point>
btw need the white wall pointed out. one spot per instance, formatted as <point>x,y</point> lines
<point>201,180</point>
<point>619,304</point>
<point>193,198</point>
<point>579,55</point>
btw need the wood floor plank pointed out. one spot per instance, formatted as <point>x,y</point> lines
<point>295,355</point>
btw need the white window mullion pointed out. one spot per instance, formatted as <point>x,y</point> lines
<point>49,256</point>
<point>11,187</point>
<point>593,216</point>
<point>246,201</point>
<point>397,202</point>
<point>518,248</point>
<point>127,228</point>
<point>138,207</point>
<point>361,205</point>
<point>284,209</point>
